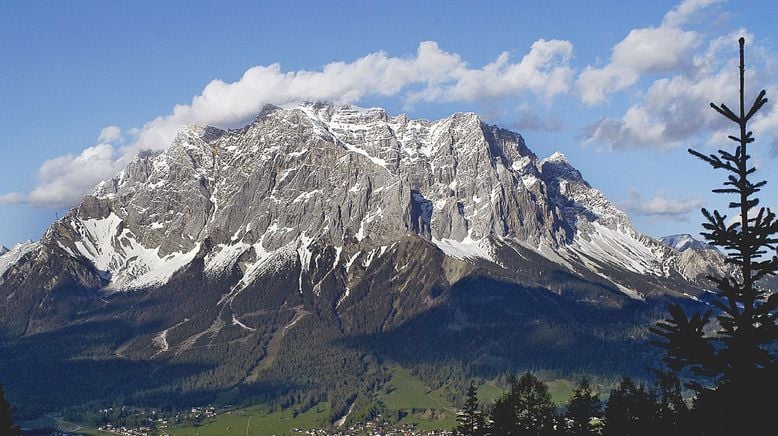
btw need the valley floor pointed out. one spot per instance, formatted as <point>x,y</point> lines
<point>409,408</point>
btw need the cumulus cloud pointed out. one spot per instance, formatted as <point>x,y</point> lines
<point>431,75</point>
<point>673,112</point>
<point>646,50</point>
<point>110,134</point>
<point>543,71</point>
<point>661,206</point>
<point>64,180</point>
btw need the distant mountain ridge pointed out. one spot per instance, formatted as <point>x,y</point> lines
<point>685,241</point>
<point>336,234</point>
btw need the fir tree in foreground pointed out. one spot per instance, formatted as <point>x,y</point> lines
<point>470,420</point>
<point>672,410</point>
<point>526,409</point>
<point>631,410</point>
<point>733,370</point>
<point>583,406</point>
<point>7,427</point>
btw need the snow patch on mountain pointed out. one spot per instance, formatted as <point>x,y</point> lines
<point>617,248</point>
<point>465,249</point>
<point>116,253</point>
<point>13,255</point>
<point>224,257</point>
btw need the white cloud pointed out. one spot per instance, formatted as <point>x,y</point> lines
<point>110,134</point>
<point>661,206</point>
<point>673,110</point>
<point>544,71</point>
<point>11,198</point>
<point>64,180</point>
<point>644,51</point>
<point>686,12</point>
<point>430,75</point>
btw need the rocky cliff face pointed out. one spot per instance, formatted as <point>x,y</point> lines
<point>342,220</point>
<point>345,178</point>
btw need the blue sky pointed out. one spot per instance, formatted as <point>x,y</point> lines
<point>621,88</point>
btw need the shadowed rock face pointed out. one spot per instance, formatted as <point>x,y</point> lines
<point>344,221</point>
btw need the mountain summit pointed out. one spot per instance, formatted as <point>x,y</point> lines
<point>324,233</point>
<point>345,177</point>
<point>685,241</point>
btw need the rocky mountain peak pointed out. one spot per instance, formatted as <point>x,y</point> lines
<point>558,167</point>
<point>323,233</point>
<point>349,178</point>
<point>685,241</point>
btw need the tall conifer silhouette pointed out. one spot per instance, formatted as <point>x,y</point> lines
<point>470,420</point>
<point>734,372</point>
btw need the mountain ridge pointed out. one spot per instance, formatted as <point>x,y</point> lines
<point>580,206</point>
<point>685,241</point>
<point>352,232</point>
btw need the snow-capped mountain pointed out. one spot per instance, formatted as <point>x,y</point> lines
<point>345,177</point>
<point>685,241</point>
<point>341,222</point>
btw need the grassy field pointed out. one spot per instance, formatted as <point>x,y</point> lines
<point>419,404</point>
<point>406,394</point>
<point>561,391</point>
<point>258,421</point>
<point>415,402</point>
<point>489,392</point>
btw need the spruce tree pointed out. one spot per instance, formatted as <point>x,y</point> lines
<point>672,411</point>
<point>7,426</point>
<point>631,410</point>
<point>526,409</point>
<point>734,368</point>
<point>470,420</point>
<point>583,406</point>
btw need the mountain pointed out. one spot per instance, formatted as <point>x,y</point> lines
<point>291,259</point>
<point>10,257</point>
<point>685,241</point>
